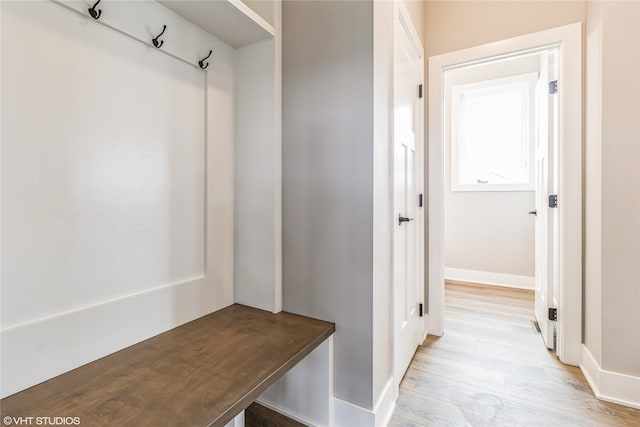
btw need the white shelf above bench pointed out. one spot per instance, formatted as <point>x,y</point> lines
<point>231,21</point>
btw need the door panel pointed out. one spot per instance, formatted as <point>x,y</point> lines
<point>407,283</point>
<point>545,269</point>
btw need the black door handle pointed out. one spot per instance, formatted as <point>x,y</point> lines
<point>533,212</point>
<point>402,219</point>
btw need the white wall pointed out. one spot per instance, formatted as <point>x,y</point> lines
<point>611,351</point>
<point>490,232</point>
<point>487,231</point>
<point>110,232</point>
<point>612,227</point>
<point>593,182</point>
<point>257,183</point>
<point>454,25</point>
<point>621,188</point>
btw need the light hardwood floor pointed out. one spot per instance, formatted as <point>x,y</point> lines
<point>491,368</point>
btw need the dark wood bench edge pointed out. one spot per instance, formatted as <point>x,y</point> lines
<point>253,394</point>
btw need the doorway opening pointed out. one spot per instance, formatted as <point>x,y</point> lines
<point>500,138</point>
<point>562,277</point>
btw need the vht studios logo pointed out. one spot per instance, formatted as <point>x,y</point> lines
<point>41,421</point>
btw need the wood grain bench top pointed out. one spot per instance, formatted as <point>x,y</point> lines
<point>202,373</point>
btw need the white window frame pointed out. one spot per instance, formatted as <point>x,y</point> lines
<point>459,91</point>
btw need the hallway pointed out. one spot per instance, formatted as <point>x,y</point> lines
<point>492,369</point>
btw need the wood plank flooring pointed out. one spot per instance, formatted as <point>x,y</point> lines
<point>491,368</point>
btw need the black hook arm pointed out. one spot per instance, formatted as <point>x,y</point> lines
<point>155,41</point>
<point>95,14</point>
<point>201,62</point>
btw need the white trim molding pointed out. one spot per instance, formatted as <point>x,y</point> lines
<point>348,415</point>
<point>386,404</point>
<point>489,278</point>
<point>610,386</point>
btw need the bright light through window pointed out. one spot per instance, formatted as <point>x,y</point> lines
<point>491,135</point>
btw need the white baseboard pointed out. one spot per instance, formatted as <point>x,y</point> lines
<point>37,351</point>
<point>610,386</point>
<point>488,278</point>
<point>346,414</point>
<point>386,404</point>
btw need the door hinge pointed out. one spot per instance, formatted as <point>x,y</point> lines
<point>420,309</point>
<point>553,87</point>
<point>553,200</point>
<point>420,200</point>
<point>553,314</point>
<point>420,90</point>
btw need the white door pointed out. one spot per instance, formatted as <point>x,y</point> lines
<point>545,243</point>
<point>407,177</point>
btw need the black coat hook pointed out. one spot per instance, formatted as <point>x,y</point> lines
<point>201,62</point>
<point>155,41</point>
<point>95,14</point>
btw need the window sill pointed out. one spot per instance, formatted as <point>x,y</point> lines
<point>491,187</point>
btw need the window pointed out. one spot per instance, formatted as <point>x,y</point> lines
<point>492,135</point>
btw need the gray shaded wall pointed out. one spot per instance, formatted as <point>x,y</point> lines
<point>328,179</point>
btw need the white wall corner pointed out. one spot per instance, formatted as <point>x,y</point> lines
<point>347,414</point>
<point>610,386</point>
<point>489,278</point>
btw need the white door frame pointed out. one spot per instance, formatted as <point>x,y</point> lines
<point>568,39</point>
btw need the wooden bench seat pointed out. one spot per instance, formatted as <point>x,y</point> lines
<point>202,373</point>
